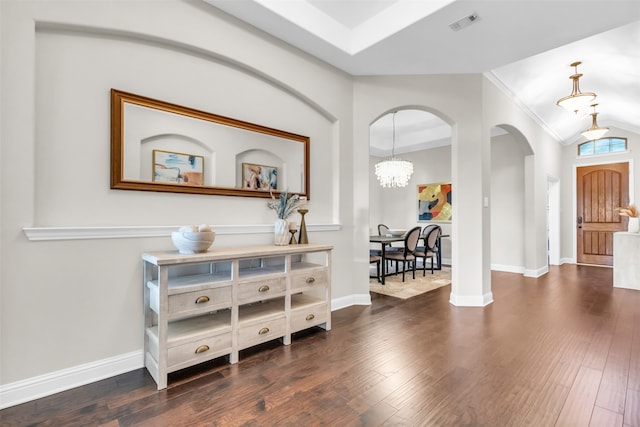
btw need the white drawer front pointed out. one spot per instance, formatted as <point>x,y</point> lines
<point>312,278</point>
<point>199,301</point>
<point>258,290</point>
<point>200,350</point>
<point>257,333</point>
<point>306,317</point>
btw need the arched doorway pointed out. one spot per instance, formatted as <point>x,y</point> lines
<point>510,206</point>
<point>423,138</point>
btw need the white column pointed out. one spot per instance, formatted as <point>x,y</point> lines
<point>471,233</point>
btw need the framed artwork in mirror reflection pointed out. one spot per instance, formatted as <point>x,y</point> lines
<point>259,177</point>
<point>178,168</point>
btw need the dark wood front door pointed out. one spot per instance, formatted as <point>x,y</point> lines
<point>601,190</point>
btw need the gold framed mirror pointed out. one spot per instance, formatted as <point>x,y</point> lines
<point>159,146</point>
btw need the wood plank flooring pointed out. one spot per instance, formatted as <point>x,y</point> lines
<point>561,350</point>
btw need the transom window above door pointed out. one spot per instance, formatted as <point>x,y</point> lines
<point>602,146</point>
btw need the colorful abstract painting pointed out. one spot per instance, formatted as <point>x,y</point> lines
<point>178,168</point>
<point>434,202</point>
<point>259,177</point>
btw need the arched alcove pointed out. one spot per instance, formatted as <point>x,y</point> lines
<point>172,142</point>
<point>510,200</point>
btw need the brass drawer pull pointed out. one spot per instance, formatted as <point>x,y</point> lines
<point>202,299</point>
<point>311,316</point>
<point>263,288</point>
<point>202,349</point>
<point>263,331</point>
<point>310,280</point>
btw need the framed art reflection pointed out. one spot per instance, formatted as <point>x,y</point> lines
<point>178,168</point>
<point>259,177</point>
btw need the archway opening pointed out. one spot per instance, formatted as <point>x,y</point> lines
<point>509,204</point>
<point>423,138</point>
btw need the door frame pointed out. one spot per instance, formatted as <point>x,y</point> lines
<point>553,221</point>
<point>574,200</point>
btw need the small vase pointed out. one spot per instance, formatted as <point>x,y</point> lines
<point>281,232</point>
<point>303,239</point>
<point>634,225</point>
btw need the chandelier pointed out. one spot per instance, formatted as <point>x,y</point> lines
<point>394,172</point>
<point>577,100</point>
<point>594,132</point>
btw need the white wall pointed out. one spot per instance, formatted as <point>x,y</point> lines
<point>570,162</point>
<point>507,203</point>
<point>79,301</point>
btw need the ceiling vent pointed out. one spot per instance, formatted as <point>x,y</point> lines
<point>464,22</point>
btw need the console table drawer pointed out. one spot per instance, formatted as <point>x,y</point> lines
<point>198,301</point>
<point>312,278</point>
<point>199,351</point>
<point>308,316</point>
<point>256,333</point>
<point>258,290</point>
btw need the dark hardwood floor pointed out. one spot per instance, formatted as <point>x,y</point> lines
<point>561,350</point>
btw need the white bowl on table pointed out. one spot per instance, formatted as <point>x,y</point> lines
<point>192,242</point>
<point>397,232</point>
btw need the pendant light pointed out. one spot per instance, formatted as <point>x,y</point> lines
<point>577,100</point>
<point>594,132</point>
<point>394,172</point>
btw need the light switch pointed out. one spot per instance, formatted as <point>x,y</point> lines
<point>486,202</point>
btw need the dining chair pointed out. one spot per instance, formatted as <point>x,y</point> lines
<point>375,259</point>
<point>423,237</point>
<point>430,249</point>
<point>407,254</point>
<point>383,230</point>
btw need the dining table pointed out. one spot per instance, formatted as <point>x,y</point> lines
<point>388,239</point>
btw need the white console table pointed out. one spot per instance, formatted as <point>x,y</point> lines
<point>202,306</point>
<point>626,260</point>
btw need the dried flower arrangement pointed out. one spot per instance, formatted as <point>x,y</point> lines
<point>630,211</point>
<point>285,205</point>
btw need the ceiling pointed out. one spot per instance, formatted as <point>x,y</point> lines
<point>523,46</point>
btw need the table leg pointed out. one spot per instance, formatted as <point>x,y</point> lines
<point>439,256</point>
<point>384,262</point>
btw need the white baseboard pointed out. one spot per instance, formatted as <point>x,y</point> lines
<point>536,273</point>
<point>471,300</point>
<point>521,270</point>
<point>567,261</point>
<point>349,300</point>
<point>45,385</point>
<point>508,268</point>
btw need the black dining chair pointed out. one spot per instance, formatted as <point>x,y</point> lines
<point>430,236</point>
<point>407,254</point>
<point>423,237</point>
<point>383,230</point>
<point>375,259</point>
